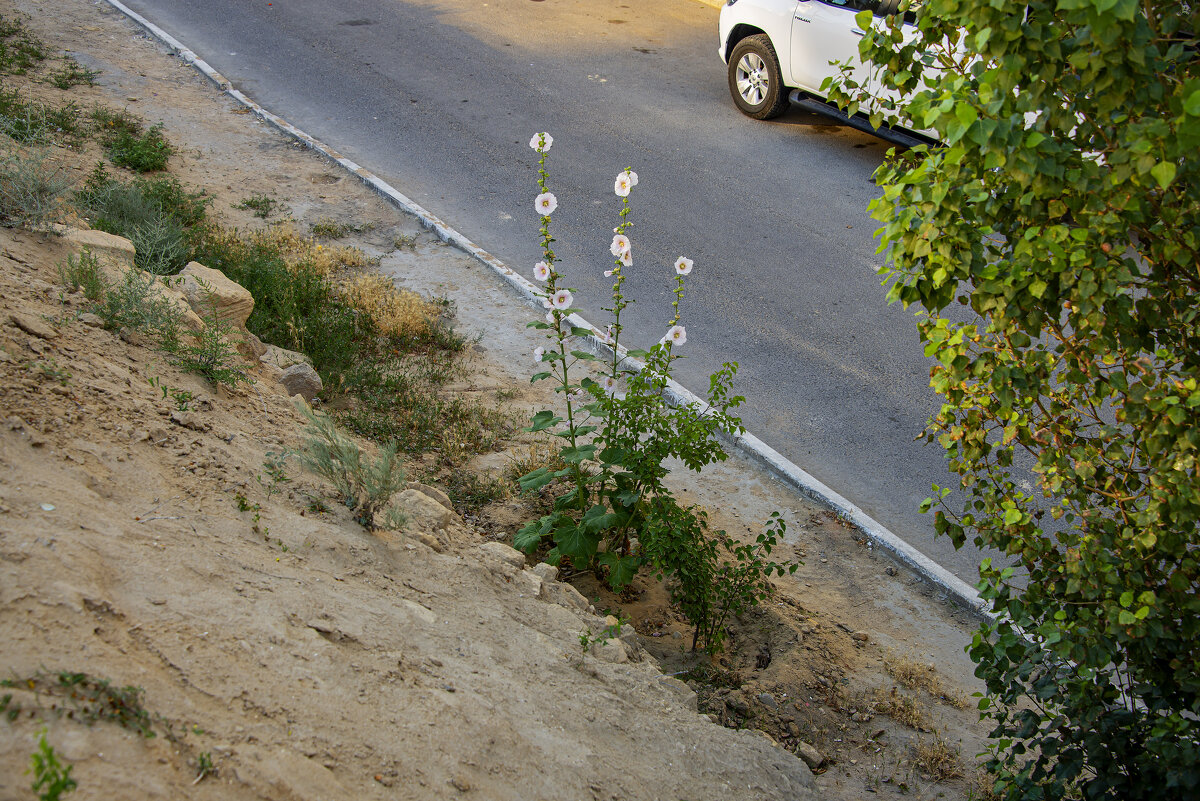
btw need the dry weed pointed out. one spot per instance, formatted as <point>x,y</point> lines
<point>938,758</point>
<point>296,249</point>
<point>900,708</point>
<point>535,456</point>
<point>398,312</point>
<point>912,674</point>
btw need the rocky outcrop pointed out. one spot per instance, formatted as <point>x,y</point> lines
<point>209,291</point>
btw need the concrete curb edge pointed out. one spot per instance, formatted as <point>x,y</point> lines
<point>755,449</point>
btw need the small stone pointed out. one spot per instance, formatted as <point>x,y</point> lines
<point>768,700</point>
<point>301,379</point>
<point>611,621</point>
<point>860,636</point>
<point>92,320</point>
<point>502,552</point>
<point>738,704</point>
<point>32,326</point>
<point>811,756</point>
<point>861,717</point>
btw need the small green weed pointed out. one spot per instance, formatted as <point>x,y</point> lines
<point>181,397</point>
<point>328,228</point>
<point>73,74</point>
<point>210,353</point>
<point>51,780</point>
<point>33,191</point>
<point>83,272</point>
<point>365,487</point>
<point>50,369</point>
<point>405,241</point>
<point>275,466</point>
<point>262,205</point>
<point>19,49</point>
<point>140,152</point>
<point>85,698</point>
<point>204,767</point>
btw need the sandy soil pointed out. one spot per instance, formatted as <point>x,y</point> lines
<point>319,661</point>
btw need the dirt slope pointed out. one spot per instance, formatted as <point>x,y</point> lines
<point>310,659</point>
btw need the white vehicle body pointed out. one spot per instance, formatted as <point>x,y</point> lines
<point>775,47</point>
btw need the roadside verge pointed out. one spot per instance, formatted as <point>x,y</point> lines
<point>947,583</point>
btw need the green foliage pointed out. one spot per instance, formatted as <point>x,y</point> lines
<point>33,190</point>
<point>83,273</point>
<point>260,204</point>
<point>211,353</point>
<point>84,698</point>
<point>613,460</point>
<point>51,781</point>
<point>365,486</point>
<point>129,146</point>
<point>20,50</point>
<point>73,74</point>
<point>34,123</point>
<point>135,302</point>
<point>1062,215</point>
<point>157,215</point>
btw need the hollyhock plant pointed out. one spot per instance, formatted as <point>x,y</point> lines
<point>541,142</point>
<point>545,203</point>
<point>541,271</point>
<point>683,265</point>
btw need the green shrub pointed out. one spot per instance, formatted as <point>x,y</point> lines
<point>51,781</point>
<point>136,303</point>
<point>260,204</point>
<point>366,487</point>
<point>33,190</point>
<point>84,273</point>
<point>160,246</point>
<point>37,123</point>
<point>20,50</point>
<point>73,74</point>
<point>140,152</point>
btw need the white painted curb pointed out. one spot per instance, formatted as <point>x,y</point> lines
<point>955,588</point>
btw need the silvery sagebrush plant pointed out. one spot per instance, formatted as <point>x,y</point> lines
<point>617,515</point>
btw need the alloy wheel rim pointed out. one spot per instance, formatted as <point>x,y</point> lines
<point>752,79</point>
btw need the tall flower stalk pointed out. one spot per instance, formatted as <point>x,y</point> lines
<point>618,515</point>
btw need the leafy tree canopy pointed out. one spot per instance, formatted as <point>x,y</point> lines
<point>1062,213</point>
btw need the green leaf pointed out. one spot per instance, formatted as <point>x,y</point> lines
<point>581,453</point>
<point>1191,106</point>
<point>527,538</point>
<point>576,543</point>
<point>535,480</point>
<point>1164,173</point>
<point>621,570</point>
<point>543,420</point>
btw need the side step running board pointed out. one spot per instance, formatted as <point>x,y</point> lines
<point>896,136</point>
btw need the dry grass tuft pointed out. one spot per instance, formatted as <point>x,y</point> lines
<point>398,312</point>
<point>900,708</point>
<point>296,249</point>
<point>535,456</point>
<point>911,674</point>
<point>938,758</point>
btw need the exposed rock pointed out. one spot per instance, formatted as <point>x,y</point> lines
<point>546,572</point>
<point>434,541</point>
<point>565,595</point>
<point>256,345</point>
<point>860,636</point>
<point>92,320</point>
<point>288,774</point>
<point>768,700</point>
<point>432,492</point>
<point>33,326</point>
<point>611,651</point>
<point>208,291</point>
<point>114,252</point>
<point>811,756</point>
<point>282,358</point>
<point>502,552</point>
<point>301,379</point>
<point>424,513</point>
<point>528,583</point>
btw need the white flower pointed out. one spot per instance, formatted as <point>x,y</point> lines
<point>541,271</point>
<point>675,336</point>
<point>623,185</point>
<point>538,354</point>
<point>545,302</point>
<point>550,315</point>
<point>561,299</point>
<point>545,203</point>
<point>633,179</point>
<point>683,265</point>
<point>619,245</point>
<point>609,273</point>
<point>541,142</point>
<point>609,385</point>
<point>626,258</point>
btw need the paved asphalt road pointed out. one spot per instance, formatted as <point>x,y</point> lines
<point>440,98</point>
